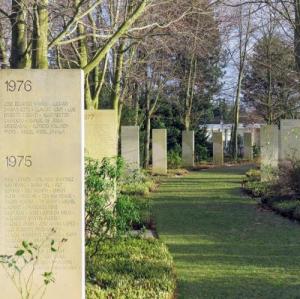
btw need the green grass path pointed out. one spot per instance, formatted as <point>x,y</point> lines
<point>224,246</point>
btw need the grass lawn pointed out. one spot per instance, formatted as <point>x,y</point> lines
<point>222,244</point>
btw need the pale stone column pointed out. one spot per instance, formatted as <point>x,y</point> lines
<point>188,148</point>
<point>101,134</point>
<point>248,146</point>
<point>42,177</point>
<point>101,138</point>
<point>130,146</point>
<point>159,151</point>
<point>289,139</point>
<point>218,148</point>
<point>269,150</point>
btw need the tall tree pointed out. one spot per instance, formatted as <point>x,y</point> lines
<point>269,83</point>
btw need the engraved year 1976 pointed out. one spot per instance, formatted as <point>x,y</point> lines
<point>18,85</point>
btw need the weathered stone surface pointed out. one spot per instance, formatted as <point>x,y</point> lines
<point>248,146</point>
<point>101,134</point>
<point>269,151</point>
<point>42,177</point>
<point>218,148</point>
<point>256,136</point>
<point>289,139</point>
<point>159,151</point>
<point>130,146</point>
<point>188,148</point>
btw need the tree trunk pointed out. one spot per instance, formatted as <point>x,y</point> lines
<point>40,35</point>
<point>118,77</point>
<point>136,110</point>
<point>148,126</point>
<point>297,34</point>
<point>237,115</point>
<point>100,55</point>
<point>19,57</point>
<point>147,141</point>
<point>3,51</point>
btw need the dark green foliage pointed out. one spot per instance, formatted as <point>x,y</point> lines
<point>256,151</point>
<point>100,180</point>
<point>128,213</point>
<point>174,159</point>
<point>257,188</point>
<point>136,182</point>
<point>131,269</point>
<point>254,186</point>
<point>203,148</point>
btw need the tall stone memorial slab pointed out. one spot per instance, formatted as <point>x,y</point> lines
<point>269,150</point>
<point>41,180</point>
<point>289,139</point>
<point>159,151</point>
<point>130,146</point>
<point>218,148</point>
<point>101,134</point>
<point>188,148</point>
<point>248,146</point>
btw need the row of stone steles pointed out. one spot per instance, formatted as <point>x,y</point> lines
<point>218,147</point>
<point>279,146</point>
<point>130,148</point>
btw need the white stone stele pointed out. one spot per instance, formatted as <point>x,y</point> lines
<point>130,146</point>
<point>218,148</point>
<point>188,148</point>
<point>42,175</point>
<point>159,151</point>
<point>289,143</point>
<point>269,150</point>
<point>101,134</point>
<point>248,146</point>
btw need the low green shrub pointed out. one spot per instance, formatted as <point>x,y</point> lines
<point>253,175</point>
<point>127,212</point>
<point>257,188</point>
<point>174,159</point>
<point>131,268</point>
<point>136,182</point>
<point>100,182</point>
<point>286,207</point>
<point>201,153</point>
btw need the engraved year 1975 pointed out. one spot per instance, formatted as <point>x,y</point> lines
<point>18,161</point>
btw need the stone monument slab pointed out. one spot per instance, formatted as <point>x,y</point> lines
<point>256,137</point>
<point>159,151</point>
<point>188,148</point>
<point>248,146</point>
<point>101,134</point>
<point>218,148</point>
<point>269,150</point>
<point>130,146</point>
<point>289,139</point>
<point>41,180</point>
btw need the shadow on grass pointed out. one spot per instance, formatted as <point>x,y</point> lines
<point>223,247</point>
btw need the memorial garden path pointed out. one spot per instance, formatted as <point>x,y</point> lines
<point>223,244</point>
